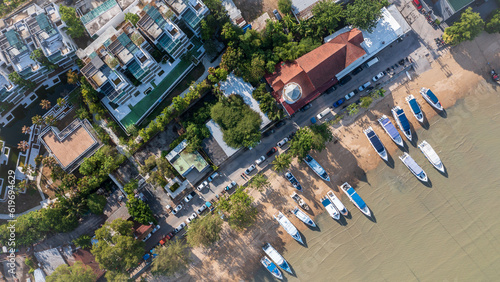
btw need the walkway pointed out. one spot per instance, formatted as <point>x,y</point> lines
<point>207,64</point>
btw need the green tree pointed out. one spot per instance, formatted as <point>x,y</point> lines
<point>37,55</point>
<point>366,101</point>
<point>18,80</point>
<point>78,272</point>
<point>50,120</point>
<point>493,25</point>
<point>132,18</point>
<point>130,187</point>
<point>116,249</point>
<point>83,241</point>
<point>468,27</point>
<point>72,77</point>
<point>204,231</point>
<point>69,181</point>
<point>352,109</point>
<point>285,6</point>
<point>327,16</point>
<point>310,138</point>
<point>96,203</point>
<point>282,162</point>
<point>259,181</point>
<point>240,209</point>
<point>61,102</point>
<point>232,58</point>
<point>140,211</point>
<point>172,258</point>
<point>75,26</point>
<point>364,14</point>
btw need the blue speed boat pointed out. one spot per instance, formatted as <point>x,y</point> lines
<point>415,108</point>
<point>355,199</point>
<point>413,167</point>
<point>276,257</point>
<point>391,130</point>
<point>303,217</point>
<point>295,183</point>
<point>316,167</point>
<point>376,143</point>
<point>402,121</point>
<point>288,226</point>
<point>271,267</point>
<point>431,98</point>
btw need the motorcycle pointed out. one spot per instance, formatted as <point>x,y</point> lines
<point>495,76</point>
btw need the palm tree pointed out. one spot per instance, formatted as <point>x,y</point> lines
<point>61,102</point>
<point>50,120</point>
<point>26,129</point>
<point>37,120</point>
<point>45,104</point>
<point>49,162</point>
<point>282,162</point>
<point>23,146</point>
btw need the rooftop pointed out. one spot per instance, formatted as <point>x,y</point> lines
<point>50,260</point>
<point>183,161</point>
<point>217,134</point>
<point>303,8</point>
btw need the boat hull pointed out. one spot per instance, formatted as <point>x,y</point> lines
<point>407,134</point>
<point>303,217</point>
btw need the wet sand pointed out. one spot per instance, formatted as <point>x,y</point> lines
<point>454,76</point>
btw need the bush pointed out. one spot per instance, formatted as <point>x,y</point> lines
<point>493,25</point>
<point>366,101</point>
<point>352,109</point>
<point>83,242</point>
<point>174,187</point>
<point>96,204</point>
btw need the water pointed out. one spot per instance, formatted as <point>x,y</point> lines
<point>446,232</point>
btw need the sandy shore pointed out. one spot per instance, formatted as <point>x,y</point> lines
<point>451,77</point>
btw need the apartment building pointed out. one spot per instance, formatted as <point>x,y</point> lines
<point>189,11</point>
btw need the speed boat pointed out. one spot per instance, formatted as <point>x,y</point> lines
<point>391,130</point>
<point>295,183</point>
<point>431,98</point>
<point>317,168</point>
<point>330,208</point>
<point>271,267</point>
<point>288,226</point>
<point>337,203</point>
<point>276,257</point>
<point>402,121</point>
<point>355,198</point>
<point>376,143</point>
<point>415,108</point>
<point>413,167</point>
<point>303,217</point>
<point>431,155</point>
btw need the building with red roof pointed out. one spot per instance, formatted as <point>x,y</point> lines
<point>299,82</point>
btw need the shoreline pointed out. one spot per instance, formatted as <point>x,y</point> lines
<point>450,77</point>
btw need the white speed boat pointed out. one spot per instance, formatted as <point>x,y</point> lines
<point>413,167</point>
<point>431,155</point>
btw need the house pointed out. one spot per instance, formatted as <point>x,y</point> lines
<point>142,231</point>
<point>302,9</point>
<point>30,29</point>
<point>49,260</point>
<point>234,13</point>
<point>301,81</point>
<point>89,261</point>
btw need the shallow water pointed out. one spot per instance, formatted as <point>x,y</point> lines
<point>446,232</point>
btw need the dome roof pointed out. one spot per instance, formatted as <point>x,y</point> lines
<point>292,92</point>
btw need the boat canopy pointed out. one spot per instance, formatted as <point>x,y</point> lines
<point>431,96</point>
<point>375,141</point>
<point>273,254</point>
<point>387,124</point>
<point>412,165</point>
<point>315,165</point>
<point>326,202</point>
<point>403,120</point>
<point>431,154</point>
<point>286,224</point>
<point>414,106</point>
<point>356,198</point>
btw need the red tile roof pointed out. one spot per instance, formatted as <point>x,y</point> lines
<point>88,259</point>
<point>315,71</point>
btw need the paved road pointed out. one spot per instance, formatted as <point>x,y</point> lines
<point>415,45</point>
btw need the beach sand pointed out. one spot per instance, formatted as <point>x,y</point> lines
<point>451,77</point>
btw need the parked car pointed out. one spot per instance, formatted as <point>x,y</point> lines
<point>282,142</point>
<point>157,227</point>
<point>249,169</point>
<point>211,177</point>
<point>201,209</point>
<point>305,108</point>
<point>280,124</point>
<point>378,76</point>
<point>338,103</point>
<point>167,237</point>
<point>268,132</point>
<point>189,197</point>
<point>179,228</point>
<point>147,237</point>
<point>271,152</point>
<point>323,113</point>
<point>231,185</point>
<point>369,88</point>
<point>357,70</point>
<point>192,217</point>
<point>362,87</point>
<point>277,15</point>
<point>331,89</point>
<point>291,135</point>
<point>350,95</point>
<point>202,185</point>
<point>177,209</point>
<point>345,80</point>
<point>260,160</point>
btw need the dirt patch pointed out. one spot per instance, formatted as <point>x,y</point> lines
<point>49,187</point>
<point>24,202</point>
<point>158,144</point>
<point>252,9</point>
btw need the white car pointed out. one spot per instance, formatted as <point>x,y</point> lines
<point>378,76</point>
<point>189,197</point>
<point>202,185</point>
<point>179,228</point>
<point>349,96</point>
<point>177,209</point>
<point>231,185</point>
<point>260,160</point>
<point>362,87</point>
<point>202,209</point>
<point>282,142</point>
<point>193,216</point>
<point>249,169</point>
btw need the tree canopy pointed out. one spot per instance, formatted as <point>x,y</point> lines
<point>493,25</point>
<point>140,211</point>
<point>239,123</point>
<point>78,272</point>
<point>117,250</point>
<point>171,258</point>
<point>259,181</point>
<point>327,16</point>
<point>132,18</point>
<point>75,26</point>
<point>282,162</point>
<point>310,138</point>
<point>204,231</point>
<point>468,27</point>
<point>239,208</point>
<point>364,14</point>
<point>285,6</point>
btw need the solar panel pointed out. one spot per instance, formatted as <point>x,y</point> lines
<point>403,120</point>
<point>376,142</point>
<point>433,97</point>
<point>393,132</point>
<point>414,106</point>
